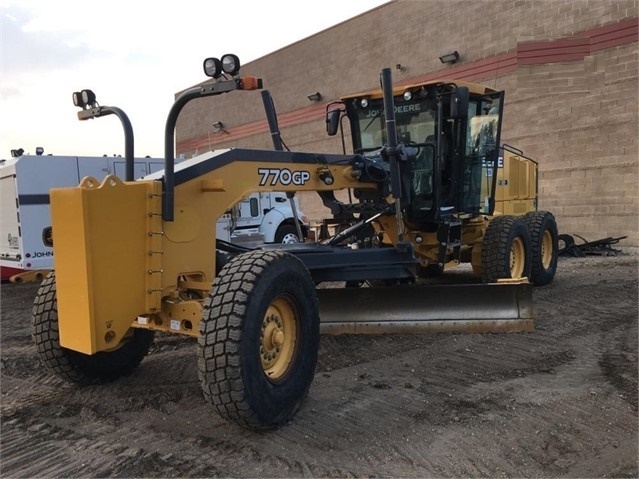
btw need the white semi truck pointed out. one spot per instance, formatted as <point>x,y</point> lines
<point>26,241</point>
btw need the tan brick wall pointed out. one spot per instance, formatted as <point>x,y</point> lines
<point>577,119</point>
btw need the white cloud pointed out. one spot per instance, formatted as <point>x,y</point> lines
<point>52,48</point>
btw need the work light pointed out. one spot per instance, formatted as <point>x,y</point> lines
<point>88,97</point>
<point>84,98</point>
<point>77,99</point>
<point>230,64</point>
<point>212,67</point>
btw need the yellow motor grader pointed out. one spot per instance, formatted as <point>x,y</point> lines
<point>133,258</point>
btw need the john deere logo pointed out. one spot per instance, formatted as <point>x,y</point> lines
<point>47,236</point>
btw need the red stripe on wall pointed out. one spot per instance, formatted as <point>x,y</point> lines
<point>612,27</point>
<point>530,53</point>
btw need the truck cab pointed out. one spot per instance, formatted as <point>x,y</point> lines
<point>271,215</point>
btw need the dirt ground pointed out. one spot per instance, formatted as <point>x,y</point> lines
<point>559,402</point>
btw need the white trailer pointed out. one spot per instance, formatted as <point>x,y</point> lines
<point>25,225</point>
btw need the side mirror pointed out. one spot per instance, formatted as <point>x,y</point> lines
<point>459,103</point>
<point>332,121</point>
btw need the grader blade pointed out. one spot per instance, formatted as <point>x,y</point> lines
<point>475,308</point>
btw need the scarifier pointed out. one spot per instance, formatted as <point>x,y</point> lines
<point>432,190</point>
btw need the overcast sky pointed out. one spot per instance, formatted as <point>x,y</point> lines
<point>121,49</point>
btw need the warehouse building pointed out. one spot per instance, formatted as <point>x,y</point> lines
<point>569,69</point>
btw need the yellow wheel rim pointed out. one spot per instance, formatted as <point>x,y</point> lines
<point>278,339</point>
<point>546,250</point>
<point>517,258</point>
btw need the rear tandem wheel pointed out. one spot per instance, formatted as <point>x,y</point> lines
<point>506,251</point>
<point>259,339</point>
<point>74,366</point>
<point>544,245</point>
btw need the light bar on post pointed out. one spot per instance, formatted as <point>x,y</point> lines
<point>214,67</point>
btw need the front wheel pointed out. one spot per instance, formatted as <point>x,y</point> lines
<point>506,251</point>
<point>259,339</point>
<point>544,244</point>
<point>74,366</point>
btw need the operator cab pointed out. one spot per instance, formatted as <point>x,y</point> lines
<point>452,132</point>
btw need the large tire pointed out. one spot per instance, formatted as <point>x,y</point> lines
<point>544,237</point>
<point>506,251</point>
<point>74,366</point>
<point>287,234</point>
<point>259,339</point>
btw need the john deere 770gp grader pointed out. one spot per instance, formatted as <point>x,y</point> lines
<point>431,186</point>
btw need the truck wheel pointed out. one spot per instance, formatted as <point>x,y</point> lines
<point>259,339</point>
<point>73,366</point>
<point>544,237</point>
<point>506,251</point>
<point>287,234</point>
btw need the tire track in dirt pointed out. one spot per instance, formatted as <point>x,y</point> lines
<point>45,455</point>
<point>83,432</point>
<point>19,394</point>
<point>84,415</point>
<point>30,456</point>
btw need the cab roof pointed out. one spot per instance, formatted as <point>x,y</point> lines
<point>475,88</point>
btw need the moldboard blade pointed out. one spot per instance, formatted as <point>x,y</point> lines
<point>475,308</point>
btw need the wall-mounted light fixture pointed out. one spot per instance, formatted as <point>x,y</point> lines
<point>218,127</point>
<point>450,57</point>
<point>317,96</point>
